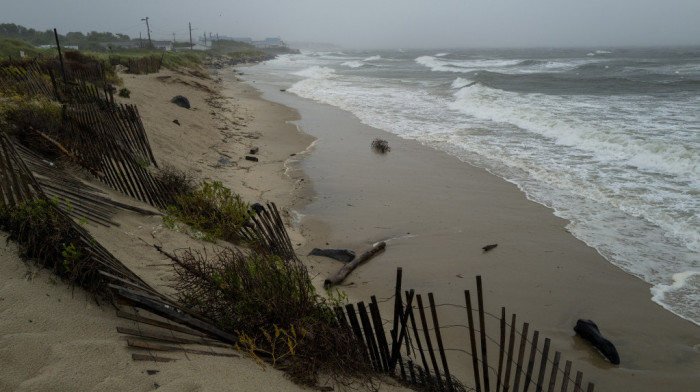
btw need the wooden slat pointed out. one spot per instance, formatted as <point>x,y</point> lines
<point>521,356</point>
<point>158,323</point>
<point>416,337</point>
<point>543,365</point>
<point>162,347</point>
<point>438,338</point>
<point>369,337</point>
<point>555,371</point>
<point>428,343</point>
<point>382,344</point>
<point>509,361</point>
<point>152,358</point>
<point>501,349</point>
<point>472,342</point>
<point>181,318</point>
<point>565,378</point>
<point>482,326</point>
<point>531,361</point>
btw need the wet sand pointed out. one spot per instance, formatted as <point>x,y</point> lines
<point>436,213</point>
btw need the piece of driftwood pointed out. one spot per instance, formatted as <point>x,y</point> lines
<point>347,268</point>
<point>489,247</point>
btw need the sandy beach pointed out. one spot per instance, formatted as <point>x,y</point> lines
<point>434,211</point>
<point>56,338</point>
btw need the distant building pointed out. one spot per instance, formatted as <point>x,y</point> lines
<point>268,43</point>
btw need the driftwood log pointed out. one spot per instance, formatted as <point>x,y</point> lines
<point>347,268</point>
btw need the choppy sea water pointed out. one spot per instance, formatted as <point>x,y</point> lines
<point>609,139</point>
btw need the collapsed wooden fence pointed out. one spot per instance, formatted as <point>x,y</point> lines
<point>424,362</point>
<point>107,139</point>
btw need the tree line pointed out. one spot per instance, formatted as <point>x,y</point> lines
<point>89,41</point>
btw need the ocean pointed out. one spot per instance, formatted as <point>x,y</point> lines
<point>607,138</point>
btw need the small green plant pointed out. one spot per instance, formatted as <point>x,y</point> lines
<point>213,210</point>
<point>72,255</point>
<point>143,162</point>
<point>125,93</point>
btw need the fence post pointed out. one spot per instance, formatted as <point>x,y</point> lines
<point>501,349</point>
<point>60,57</point>
<point>531,361</point>
<point>433,310</point>
<point>428,342</point>
<point>543,365</point>
<point>555,371</point>
<point>509,361</point>
<point>521,356</point>
<point>369,335</point>
<point>482,325</point>
<point>472,341</point>
<point>379,332</point>
<point>420,346</point>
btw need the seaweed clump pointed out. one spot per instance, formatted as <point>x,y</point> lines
<point>381,146</point>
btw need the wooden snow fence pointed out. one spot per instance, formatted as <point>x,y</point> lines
<point>26,78</point>
<point>409,351</point>
<point>141,65</point>
<point>107,139</point>
<point>111,143</point>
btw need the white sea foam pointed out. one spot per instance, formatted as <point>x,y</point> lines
<point>373,58</point>
<point>461,82</point>
<point>510,66</point>
<point>353,64</point>
<point>316,72</point>
<point>441,54</point>
<point>623,169</point>
<point>685,285</point>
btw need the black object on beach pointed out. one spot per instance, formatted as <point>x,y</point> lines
<point>589,331</point>
<point>249,158</point>
<point>344,255</point>
<point>489,247</point>
<point>181,101</point>
<point>176,122</point>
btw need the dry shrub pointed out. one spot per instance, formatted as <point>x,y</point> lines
<point>175,182</point>
<point>250,294</point>
<point>381,146</point>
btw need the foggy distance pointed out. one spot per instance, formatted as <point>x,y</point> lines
<point>380,23</point>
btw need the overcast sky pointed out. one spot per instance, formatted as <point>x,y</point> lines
<point>380,23</point>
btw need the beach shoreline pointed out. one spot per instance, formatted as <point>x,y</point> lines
<point>314,162</point>
<point>436,212</point>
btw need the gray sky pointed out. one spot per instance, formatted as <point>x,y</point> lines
<point>380,23</point>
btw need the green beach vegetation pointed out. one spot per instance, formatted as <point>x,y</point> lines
<point>263,298</point>
<point>15,38</point>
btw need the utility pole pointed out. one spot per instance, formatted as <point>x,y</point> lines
<point>173,37</point>
<point>191,45</point>
<point>148,30</point>
<point>205,39</point>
